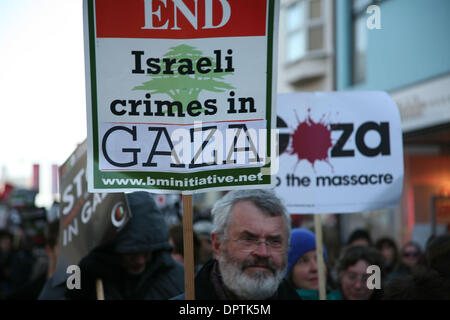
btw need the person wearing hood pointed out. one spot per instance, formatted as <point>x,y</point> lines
<point>302,271</point>
<point>137,264</point>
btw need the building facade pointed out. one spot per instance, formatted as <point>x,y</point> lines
<point>306,46</point>
<point>403,47</point>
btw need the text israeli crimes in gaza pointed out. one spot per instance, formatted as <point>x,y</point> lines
<point>170,66</point>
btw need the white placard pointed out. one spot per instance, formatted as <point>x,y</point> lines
<point>341,152</point>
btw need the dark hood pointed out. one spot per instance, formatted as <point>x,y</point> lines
<point>146,230</point>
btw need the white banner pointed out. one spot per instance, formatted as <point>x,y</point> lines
<point>180,91</point>
<point>340,152</point>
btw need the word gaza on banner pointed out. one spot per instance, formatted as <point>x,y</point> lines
<point>340,152</point>
<point>86,219</point>
<point>180,94</point>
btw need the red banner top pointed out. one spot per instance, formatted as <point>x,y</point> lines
<point>180,19</point>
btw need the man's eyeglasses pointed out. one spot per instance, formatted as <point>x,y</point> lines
<point>249,244</point>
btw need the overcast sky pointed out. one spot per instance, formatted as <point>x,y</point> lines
<point>42,84</point>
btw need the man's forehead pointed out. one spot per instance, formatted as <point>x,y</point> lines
<point>246,216</point>
<point>246,209</point>
<point>248,204</point>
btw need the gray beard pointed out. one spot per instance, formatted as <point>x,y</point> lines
<point>258,286</point>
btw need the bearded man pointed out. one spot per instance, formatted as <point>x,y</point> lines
<point>250,238</point>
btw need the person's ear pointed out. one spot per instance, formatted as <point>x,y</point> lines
<point>215,244</point>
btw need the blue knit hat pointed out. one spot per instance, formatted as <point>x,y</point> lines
<point>302,241</point>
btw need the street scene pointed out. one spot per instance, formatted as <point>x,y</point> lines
<point>225,150</point>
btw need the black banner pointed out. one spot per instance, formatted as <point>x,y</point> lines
<point>86,219</point>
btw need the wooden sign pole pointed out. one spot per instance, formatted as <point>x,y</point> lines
<point>188,239</point>
<point>99,287</point>
<point>319,251</point>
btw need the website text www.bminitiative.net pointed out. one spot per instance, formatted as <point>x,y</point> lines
<point>186,182</point>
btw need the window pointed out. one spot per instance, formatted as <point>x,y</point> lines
<point>359,43</point>
<point>305,28</point>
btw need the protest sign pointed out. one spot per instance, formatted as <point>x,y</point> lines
<point>180,94</point>
<point>86,219</point>
<point>340,152</point>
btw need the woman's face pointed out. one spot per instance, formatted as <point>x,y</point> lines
<point>410,255</point>
<point>388,254</point>
<point>305,272</point>
<point>354,282</point>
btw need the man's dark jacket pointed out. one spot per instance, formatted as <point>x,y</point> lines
<point>204,289</point>
<point>146,231</point>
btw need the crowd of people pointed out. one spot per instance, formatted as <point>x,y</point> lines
<point>405,274</point>
<point>246,249</point>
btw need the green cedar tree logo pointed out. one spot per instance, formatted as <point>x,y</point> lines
<point>186,87</point>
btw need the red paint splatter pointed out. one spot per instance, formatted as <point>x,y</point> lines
<point>311,141</point>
